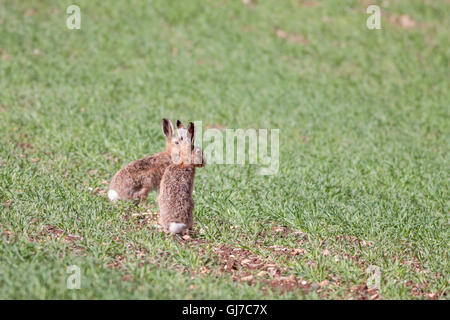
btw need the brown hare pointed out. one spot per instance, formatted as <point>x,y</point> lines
<point>138,178</point>
<point>175,193</point>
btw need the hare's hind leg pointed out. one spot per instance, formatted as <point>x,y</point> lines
<point>141,195</point>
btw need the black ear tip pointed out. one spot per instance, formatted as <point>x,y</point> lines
<point>191,130</point>
<point>179,124</point>
<point>166,127</point>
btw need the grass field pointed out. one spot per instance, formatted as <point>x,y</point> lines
<point>364,146</point>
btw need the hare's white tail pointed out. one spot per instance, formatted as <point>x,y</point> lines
<point>176,227</point>
<point>113,195</point>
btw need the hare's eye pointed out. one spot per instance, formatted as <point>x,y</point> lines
<point>176,142</point>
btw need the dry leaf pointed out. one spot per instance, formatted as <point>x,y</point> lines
<point>29,13</point>
<point>204,270</point>
<point>247,278</point>
<point>289,278</point>
<point>307,3</point>
<point>298,251</point>
<point>8,203</point>
<point>292,38</point>
<point>282,34</point>
<point>406,22</point>
<point>324,283</point>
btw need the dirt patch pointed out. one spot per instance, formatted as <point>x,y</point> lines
<point>244,266</point>
<point>8,235</point>
<point>240,264</point>
<point>361,292</point>
<point>25,146</point>
<point>50,231</point>
<point>8,203</point>
<point>403,21</point>
<point>47,233</point>
<point>353,241</point>
<point>293,38</point>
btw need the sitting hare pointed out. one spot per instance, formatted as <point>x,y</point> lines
<point>138,178</point>
<point>175,193</point>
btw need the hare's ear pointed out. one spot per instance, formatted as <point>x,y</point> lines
<point>179,124</point>
<point>191,132</point>
<point>167,126</point>
<point>182,132</point>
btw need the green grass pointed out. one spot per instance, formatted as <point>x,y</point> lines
<point>364,144</point>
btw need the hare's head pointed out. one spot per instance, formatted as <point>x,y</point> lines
<point>187,153</point>
<point>172,141</point>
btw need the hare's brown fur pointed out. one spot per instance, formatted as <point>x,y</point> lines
<point>175,194</point>
<point>138,178</point>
